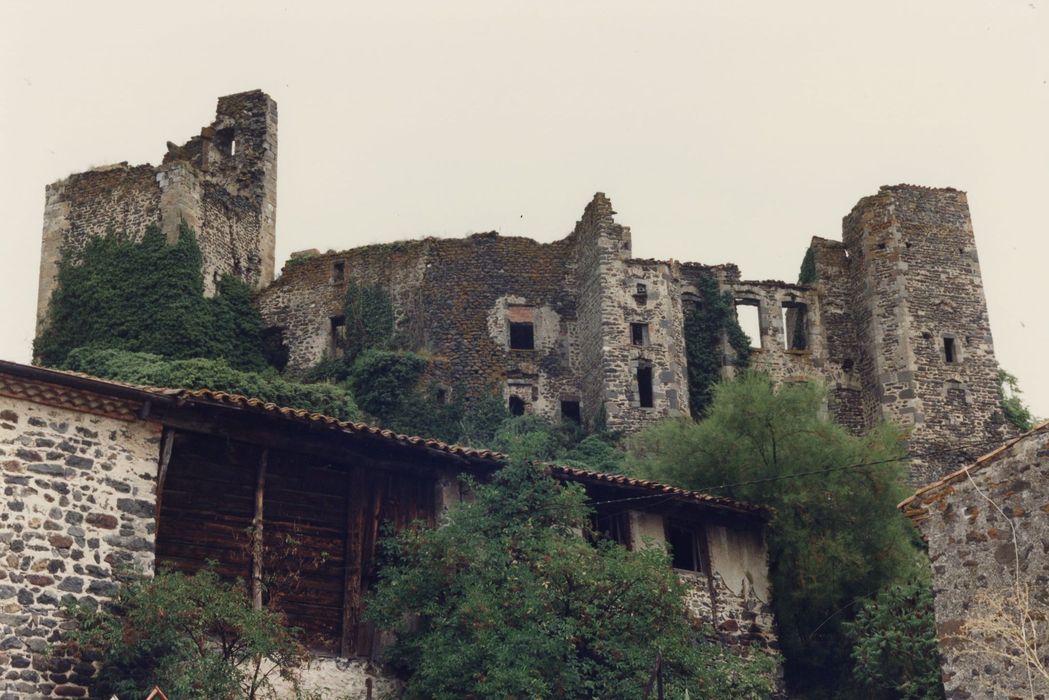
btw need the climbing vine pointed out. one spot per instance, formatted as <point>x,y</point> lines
<point>707,322</point>
<point>807,275</point>
<point>148,296</point>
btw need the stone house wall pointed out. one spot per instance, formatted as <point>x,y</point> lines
<point>77,506</point>
<point>970,526</point>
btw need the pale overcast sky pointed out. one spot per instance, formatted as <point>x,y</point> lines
<point>723,132</point>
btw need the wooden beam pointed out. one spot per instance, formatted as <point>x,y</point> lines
<point>256,533</point>
<point>167,440</point>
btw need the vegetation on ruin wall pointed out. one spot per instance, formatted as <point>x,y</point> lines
<point>836,538</point>
<point>154,370</point>
<point>707,324</point>
<point>807,275</point>
<point>148,296</point>
<point>1014,408</point>
<point>517,604</point>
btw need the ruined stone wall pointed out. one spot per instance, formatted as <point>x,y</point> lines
<point>78,502</point>
<point>223,183</point>
<point>975,562</point>
<point>916,285</point>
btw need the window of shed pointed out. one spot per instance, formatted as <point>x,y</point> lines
<point>685,547</point>
<point>639,334</point>
<point>644,387</point>
<point>612,526</point>
<point>522,336</point>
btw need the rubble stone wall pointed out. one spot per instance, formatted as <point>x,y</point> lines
<point>78,504</point>
<point>970,528</point>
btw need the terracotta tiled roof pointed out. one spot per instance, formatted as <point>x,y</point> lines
<point>914,507</point>
<point>66,382</point>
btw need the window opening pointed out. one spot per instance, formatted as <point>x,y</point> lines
<point>338,271</point>
<point>949,352</point>
<point>748,314</point>
<point>639,334</point>
<point>644,387</point>
<point>522,336</point>
<point>224,141</point>
<point>570,411</point>
<point>685,548</point>
<point>641,293</point>
<point>795,325</point>
<point>441,396</point>
<point>516,406</point>
<point>337,342</point>
<point>614,527</point>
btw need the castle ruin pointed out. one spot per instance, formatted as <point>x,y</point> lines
<point>894,319</point>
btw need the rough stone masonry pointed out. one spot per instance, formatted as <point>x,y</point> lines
<point>894,321</point>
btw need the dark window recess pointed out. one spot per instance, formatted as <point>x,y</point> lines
<point>273,348</point>
<point>644,387</point>
<point>225,142</point>
<point>848,364</point>
<point>570,411</point>
<point>441,396</point>
<point>684,545</point>
<point>614,527</point>
<point>639,334</point>
<point>522,336</point>
<point>338,336</point>
<point>949,352</point>
<point>641,293</point>
<point>516,406</point>
<point>795,326</point>
<point>338,272</point>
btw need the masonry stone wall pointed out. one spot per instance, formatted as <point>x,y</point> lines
<point>222,182</point>
<point>970,526</point>
<point>77,505</point>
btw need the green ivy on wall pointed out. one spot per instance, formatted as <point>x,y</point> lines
<point>706,323</point>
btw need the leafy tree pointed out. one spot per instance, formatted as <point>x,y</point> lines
<point>508,600</point>
<point>1016,411</point>
<point>195,636</point>
<point>217,375</point>
<point>382,380</point>
<point>895,647</point>
<point>836,536</point>
<point>148,296</point>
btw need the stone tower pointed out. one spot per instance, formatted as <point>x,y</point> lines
<point>223,183</point>
<point>924,355</point>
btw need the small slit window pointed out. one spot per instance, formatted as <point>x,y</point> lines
<point>950,351</point>
<point>522,336</point>
<point>685,547</point>
<point>639,334</point>
<point>644,387</point>
<point>338,336</point>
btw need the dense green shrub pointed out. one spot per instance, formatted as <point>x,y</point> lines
<point>512,602</point>
<point>369,319</point>
<point>836,536</point>
<point>383,380</point>
<point>895,647</point>
<point>807,274</point>
<point>153,370</point>
<point>148,296</point>
<point>706,324</point>
<point>196,637</point>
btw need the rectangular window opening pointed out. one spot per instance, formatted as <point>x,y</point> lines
<point>639,334</point>
<point>570,411</point>
<point>795,325</point>
<point>522,336</point>
<point>338,271</point>
<point>337,342</point>
<point>516,406</point>
<point>950,354</point>
<point>748,314</point>
<point>685,549</point>
<point>644,387</point>
<point>614,527</point>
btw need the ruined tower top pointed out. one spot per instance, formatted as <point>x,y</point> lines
<point>222,182</point>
